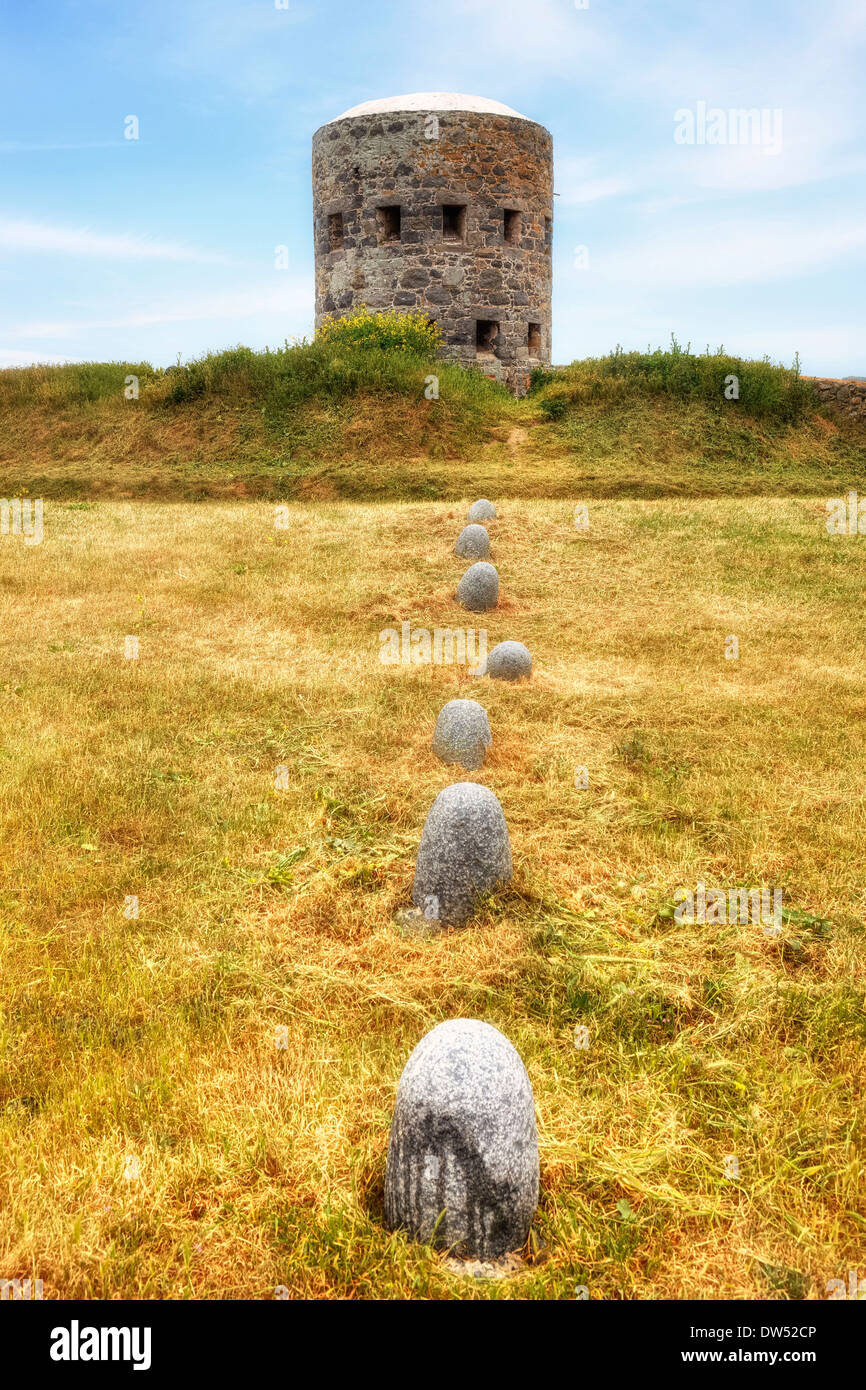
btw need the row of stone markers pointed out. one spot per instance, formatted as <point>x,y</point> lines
<point>462,1167</point>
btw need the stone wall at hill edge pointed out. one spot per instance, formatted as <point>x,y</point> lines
<point>846,397</point>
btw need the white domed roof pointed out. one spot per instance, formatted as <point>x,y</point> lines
<point>430,101</point>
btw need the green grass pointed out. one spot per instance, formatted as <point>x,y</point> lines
<point>277,380</point>
<point>762,389</point>
<point>330,419</point>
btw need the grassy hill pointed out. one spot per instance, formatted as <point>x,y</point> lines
<point>323,420</point>
<point>207,1000</point>
<point>156,1138</point>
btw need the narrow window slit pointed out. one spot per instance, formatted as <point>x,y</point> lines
<point>388,222</point>
<point>486,335</point>
<point>512,226</point>
<point>453,222</point>
<point>335,231</point>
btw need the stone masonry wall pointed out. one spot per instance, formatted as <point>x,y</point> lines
<point>483,162</point>
<point>847,397</point>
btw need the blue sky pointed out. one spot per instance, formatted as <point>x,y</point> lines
<point>113,248</point>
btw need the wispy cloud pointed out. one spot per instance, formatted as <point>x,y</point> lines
<point>734,251</point>
<point>40,239</point>
<point>35,147</point>
<point>245,45</point>
<point>284,297</point>
<point>584,181</point>
<point>546,33</point>
<point>26,357</point>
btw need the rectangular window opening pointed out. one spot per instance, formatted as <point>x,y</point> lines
<point>388,222</point>
<point>335,231</point>
<point>453,222</point>
<point>486,336</point>
<point>512,227</point>
<point>535,340</point>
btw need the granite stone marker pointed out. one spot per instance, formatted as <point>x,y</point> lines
<point>509,661</point>
<point>462,734</point>
<point>478,590</point>
<point>482,510</point>
<point>462,1167</point>
<point>473,543</point>
<point>464,852</point>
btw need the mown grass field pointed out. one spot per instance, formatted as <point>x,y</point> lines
<point>157,1142</point>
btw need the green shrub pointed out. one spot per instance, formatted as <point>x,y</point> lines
<point>540,377</point>
<point>555,407</point>
<point>765,389</point>
<point>389,331</point>
<point>331,369</point>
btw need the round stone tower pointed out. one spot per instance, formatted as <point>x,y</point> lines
<point>444,204</point>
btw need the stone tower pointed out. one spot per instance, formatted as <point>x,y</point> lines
<point>444,204</point>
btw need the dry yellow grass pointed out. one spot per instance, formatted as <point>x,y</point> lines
<point>158,1143</point>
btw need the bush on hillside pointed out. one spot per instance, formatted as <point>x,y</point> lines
<point>765,388</point>
<point>393,354</point>
<point>388,331</point>
<point>322,376</point>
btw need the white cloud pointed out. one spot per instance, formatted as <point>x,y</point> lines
<point>736,251</point>
<point>816,146</point>
<point>25,357</point>
<point>583,181</point>
<point>248,47</point>
<point>26,147</point>
<point>37,237</point>
<point>285,297</point>
<point>551,33</point>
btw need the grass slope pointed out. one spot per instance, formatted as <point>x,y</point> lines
<point>321,421</point>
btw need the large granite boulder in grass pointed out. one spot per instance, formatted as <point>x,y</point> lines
<point>478,590</point>
<point>464,852</point>
<point>473,543</point>
<point>462,734</point>
<point>482,510</point>
<point>509,661</point>
<point>462,1168</point>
